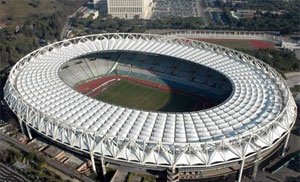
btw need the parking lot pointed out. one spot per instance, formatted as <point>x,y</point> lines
<point>176,8</point>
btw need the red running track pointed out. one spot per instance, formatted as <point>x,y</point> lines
<point>259,44</point>
<point>90,87</point>
<point>92,84</point>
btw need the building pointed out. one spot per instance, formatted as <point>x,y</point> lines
<point>290,45</point>
<point>129,9</point>
<point>100,5</point>
<point>96,2</point>
<point>243,14</point>
<point>251,124</point>
<point>90,13</point>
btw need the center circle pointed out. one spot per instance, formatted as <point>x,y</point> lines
<point>146,81</point>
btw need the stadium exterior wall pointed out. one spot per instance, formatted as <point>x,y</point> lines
<point>220,34</point>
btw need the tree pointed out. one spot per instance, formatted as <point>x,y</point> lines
<point>30,156</point>
<point>41,161</point>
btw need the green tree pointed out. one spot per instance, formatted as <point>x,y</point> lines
<point>41,161</point>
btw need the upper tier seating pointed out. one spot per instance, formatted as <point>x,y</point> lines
<point>178,74</point>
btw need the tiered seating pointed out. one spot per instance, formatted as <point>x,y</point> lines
<point>85,69</point>
<point>175,73</point>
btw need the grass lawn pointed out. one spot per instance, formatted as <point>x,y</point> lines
<point>129,94</point>
<point>233,44</point>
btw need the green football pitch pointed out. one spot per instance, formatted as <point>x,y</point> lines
<point>133,95</point>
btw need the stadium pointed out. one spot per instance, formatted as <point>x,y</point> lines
<point>184,107</point>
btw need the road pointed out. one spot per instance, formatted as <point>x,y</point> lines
<point>293,81</point>
<point>50,162</point>
<point>297,52</point>
<point>67,26</point>
<point>200,6</point>
<point>65,29</point>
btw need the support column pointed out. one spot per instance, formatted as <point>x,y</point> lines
<point>21,126</point>
<point>256,164</point>
<point>103,167</point>
<point>286,143</point>
<point>255,168</point>
<point>93,162</point>
<point>28,132</point>
<point>241,170</point>
<point>172,175</point>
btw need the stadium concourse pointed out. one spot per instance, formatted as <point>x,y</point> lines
<point>246,124</point>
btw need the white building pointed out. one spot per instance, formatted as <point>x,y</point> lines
<point>96,1</point>
<point>86,12</point>
<point>128,9</point>
<point>290,45</point>
<point>93,13</point>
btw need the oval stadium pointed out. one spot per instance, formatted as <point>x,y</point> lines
<point>183,108</point>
